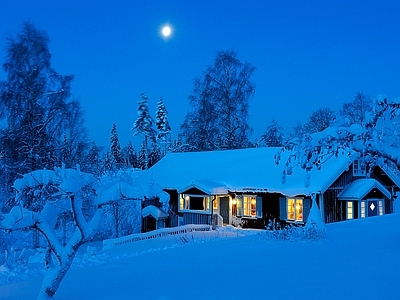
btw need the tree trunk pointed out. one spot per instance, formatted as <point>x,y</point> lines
<point>55,275</point>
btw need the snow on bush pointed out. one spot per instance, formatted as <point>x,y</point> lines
<point>295,233</point>
<point>314,229</point>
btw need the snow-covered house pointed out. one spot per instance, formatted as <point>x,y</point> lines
<point>245,187</point>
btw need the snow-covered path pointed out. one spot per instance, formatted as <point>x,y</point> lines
<point>359,260</point>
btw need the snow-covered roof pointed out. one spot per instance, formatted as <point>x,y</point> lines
<point>206,186</point>
<point>392,172</point>
<point>154,211</point>
<point>358,189</point>
<point>252,169</point>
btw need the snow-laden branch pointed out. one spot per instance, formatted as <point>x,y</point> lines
<point>373,143</point>
<point>43,196</point>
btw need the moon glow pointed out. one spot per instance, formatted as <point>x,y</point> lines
<point>166,31</point>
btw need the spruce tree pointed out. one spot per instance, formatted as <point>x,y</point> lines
<point>93,160</point>
<point>128,155</point>
<point>162,124</point>
<point>132,157</point>
<point>115,147</point>
<point>108,162</point>
<point>144,125</point>
<point>141,161</point>
<point>155,154</point>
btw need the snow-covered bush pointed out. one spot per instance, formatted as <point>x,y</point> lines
<point>295,232</point>
<point>14,241</point>
<point>314,229</point>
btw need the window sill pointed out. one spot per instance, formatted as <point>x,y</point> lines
<point>204,212</point>
<point>295,222</point>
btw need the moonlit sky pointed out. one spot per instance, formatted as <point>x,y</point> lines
<point>308,54</point>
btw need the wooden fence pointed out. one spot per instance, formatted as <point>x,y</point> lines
<point>108,244</point>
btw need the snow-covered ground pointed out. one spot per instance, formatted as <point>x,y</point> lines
<point>359,259</point>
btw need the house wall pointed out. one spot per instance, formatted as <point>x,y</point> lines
<point>382,178</point>
<point>195,218</point>
<point>271,208</point>
<point>335,210</point>
<point>270,211</point>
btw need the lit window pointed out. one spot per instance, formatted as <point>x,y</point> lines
<point>363,209</point>
<point>181,202</point>
<point>234,207</point>
<point>249,206</point>
<point>215,204</point>
<point>349,210</point>
<point>194,202</point>
<point>295,209</point>
<point>359,168</point>
<point>380,207</point>
<point>290,209</point>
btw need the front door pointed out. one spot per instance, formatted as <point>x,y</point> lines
<point>224,209</point>
<point>372,208</point>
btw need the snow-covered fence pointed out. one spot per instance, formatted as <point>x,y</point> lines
<point>108,244</point>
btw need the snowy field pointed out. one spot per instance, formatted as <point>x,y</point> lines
<point>359,259</point>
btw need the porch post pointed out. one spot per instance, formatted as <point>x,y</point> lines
<point>322,206</point>
<point>212,210</point>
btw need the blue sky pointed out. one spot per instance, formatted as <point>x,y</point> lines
<point>308,54</point>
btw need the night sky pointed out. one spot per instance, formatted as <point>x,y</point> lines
<point>308,54</point>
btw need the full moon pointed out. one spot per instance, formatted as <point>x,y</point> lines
<point>166,31</point>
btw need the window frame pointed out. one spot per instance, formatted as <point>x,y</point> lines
<point>295,210</point>
<point>359,169</point>
<point>381,207</point>
<point>184,203</point>
<point>349,210</point>
<point>363,209</point>
<point>249,206</point>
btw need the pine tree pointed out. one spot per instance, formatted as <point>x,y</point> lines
<point>162,124</point>
<point>141,161</point>
<point>93,160</point>
<point>115,147</point>
<point>144,125</point>
<point>256,144</point>
<point>132,157</point>
<point>155,154</point>
<point>129,156</point>
<point>108,162</point>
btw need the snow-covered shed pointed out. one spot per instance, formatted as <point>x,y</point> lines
<point>246,187</point>
<point>153,218</point>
